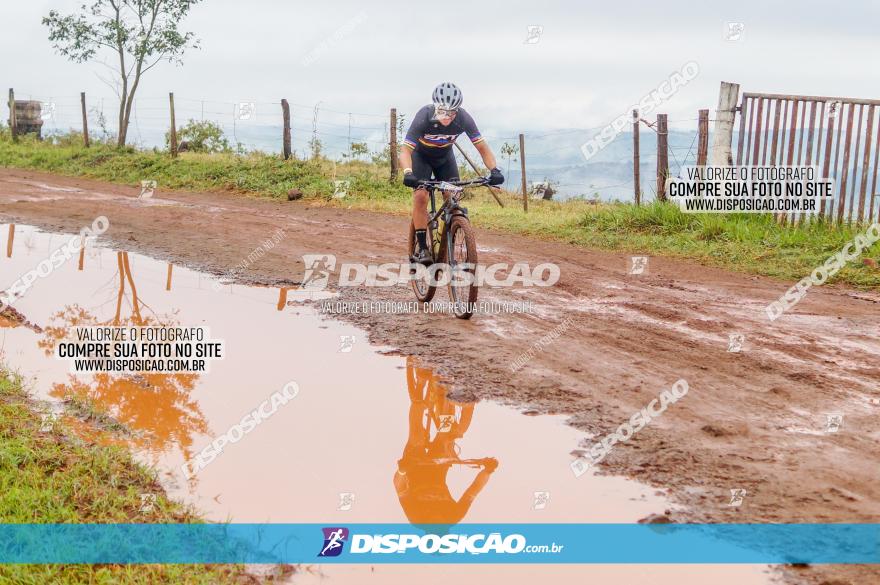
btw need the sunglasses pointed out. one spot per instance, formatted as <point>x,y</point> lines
<point>444,113</point>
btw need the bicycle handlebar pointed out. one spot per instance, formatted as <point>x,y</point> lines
<point>471,182</point>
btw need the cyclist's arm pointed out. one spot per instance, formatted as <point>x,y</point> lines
<point>405,158</point>
<point>477,485</point>
<point>470,127</point>
<point>487,154</point>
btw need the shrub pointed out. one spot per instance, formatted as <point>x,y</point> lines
<point>201,136</point>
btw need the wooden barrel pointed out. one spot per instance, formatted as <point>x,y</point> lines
<point>27,118</point>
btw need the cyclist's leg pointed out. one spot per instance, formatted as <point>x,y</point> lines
<point>446,169</point>
<point>422,170</point>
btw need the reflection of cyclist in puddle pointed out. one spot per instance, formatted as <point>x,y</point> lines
<point>420,479</point>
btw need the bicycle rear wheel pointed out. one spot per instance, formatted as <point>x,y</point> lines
<point>421,281</point>
<point>463,265</point>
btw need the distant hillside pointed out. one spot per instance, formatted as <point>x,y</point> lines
<point>609,173</point>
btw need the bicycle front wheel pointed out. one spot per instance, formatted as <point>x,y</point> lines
<point>463,265</point>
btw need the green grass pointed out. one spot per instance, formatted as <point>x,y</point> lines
<point>742,242</point>
<point>88,411</point>
<point>50,475</point>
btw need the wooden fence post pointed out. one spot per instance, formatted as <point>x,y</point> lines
<point>173,126</point>
<point>703,138</point>
<point>522,165</point>
<point>637,188</point>
<point>13,126</point>
<point>285,110</point>
<point>9,240</point>
<point>392,144</point>
<point>82,99</point>
<point>282,298</point>
<point>662,157</point>
<point>722,141</point>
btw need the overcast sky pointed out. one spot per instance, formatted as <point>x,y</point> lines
<point>592,61</point>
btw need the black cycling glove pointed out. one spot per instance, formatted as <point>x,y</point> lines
<point>495,177</point>
<point>410,180</point>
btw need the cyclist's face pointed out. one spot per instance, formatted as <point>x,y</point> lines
<point>443,116</point>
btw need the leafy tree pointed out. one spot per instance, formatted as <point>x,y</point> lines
<point>359,149</point>
<point>139,34</point>
<point>509,151</point>
<point>401,127</point>
<point>201,136</point>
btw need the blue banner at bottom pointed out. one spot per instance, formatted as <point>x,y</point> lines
<point>461,543</point>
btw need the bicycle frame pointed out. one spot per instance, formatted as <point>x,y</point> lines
<point>443,254</point>
<point>451,207</point>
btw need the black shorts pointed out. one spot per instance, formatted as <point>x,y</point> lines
<point>443,167</point>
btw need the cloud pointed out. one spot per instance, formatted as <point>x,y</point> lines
<point>593,60</point>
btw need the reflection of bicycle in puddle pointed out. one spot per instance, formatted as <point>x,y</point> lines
<point>435,424</point>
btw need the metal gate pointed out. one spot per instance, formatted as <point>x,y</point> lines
<point>838,135</point>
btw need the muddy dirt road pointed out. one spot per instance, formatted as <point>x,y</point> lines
<point>755,419</point>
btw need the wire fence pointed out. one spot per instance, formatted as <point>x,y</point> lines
<point>552,156</point>
<point>558,158</point>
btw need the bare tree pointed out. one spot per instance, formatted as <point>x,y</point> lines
<point>138,33</point>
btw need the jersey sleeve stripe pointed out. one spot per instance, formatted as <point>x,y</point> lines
<point>411,144</point>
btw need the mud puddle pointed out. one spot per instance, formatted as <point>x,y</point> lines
<point>368,437</point>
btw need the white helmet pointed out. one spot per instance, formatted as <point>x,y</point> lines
<point>447,96</point>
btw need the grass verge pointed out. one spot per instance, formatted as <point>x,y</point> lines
<point>50,475</point>
<point>742,242</point>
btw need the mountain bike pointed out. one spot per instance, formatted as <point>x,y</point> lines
<point>452,246</point>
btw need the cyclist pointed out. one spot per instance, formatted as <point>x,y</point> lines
<point>427,150</point>
<point>422,478</point>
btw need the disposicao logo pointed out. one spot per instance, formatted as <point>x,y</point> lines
<point>334,541</point>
